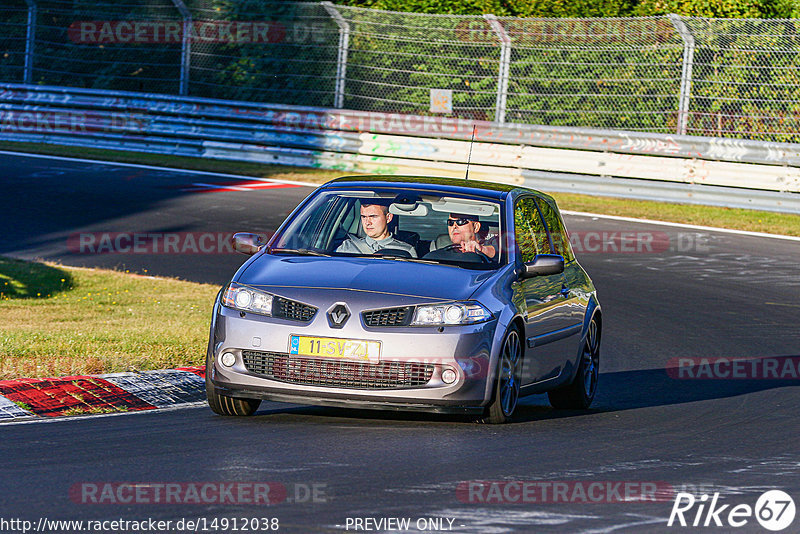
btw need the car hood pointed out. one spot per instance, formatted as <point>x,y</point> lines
<point>402,278</point>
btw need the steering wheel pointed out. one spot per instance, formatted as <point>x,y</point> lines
<point>457,246</point>
<point>397,252</point>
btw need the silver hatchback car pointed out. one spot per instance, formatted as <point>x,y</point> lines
<point>408,293</point>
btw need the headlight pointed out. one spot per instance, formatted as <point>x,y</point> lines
<point>247,299</point>
<point>452,313</point>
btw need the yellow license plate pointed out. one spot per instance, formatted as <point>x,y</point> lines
<point>328,347</point>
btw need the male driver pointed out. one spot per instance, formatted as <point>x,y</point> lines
<point>375,219</point>
<point>463,230</point>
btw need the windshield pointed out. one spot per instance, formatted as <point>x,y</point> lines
<point>396,224</point>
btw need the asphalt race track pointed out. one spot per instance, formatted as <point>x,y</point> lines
<point>694,294</point>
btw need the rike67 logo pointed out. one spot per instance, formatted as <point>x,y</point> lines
<point>774,510</point>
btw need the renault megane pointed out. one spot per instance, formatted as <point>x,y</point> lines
<point>408,293</point>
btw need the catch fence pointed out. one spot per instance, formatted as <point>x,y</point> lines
<point>736,78</point>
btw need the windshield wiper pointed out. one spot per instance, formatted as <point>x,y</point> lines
<point>402,258</point>
<point>386,257</point>
<point>472,266</point>
<point>301,251</point>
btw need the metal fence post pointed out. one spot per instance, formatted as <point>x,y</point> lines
<point>505,65</point>
<point>186,45</point>
<point>30,42</point>
<point>341,61</point>
<point>686,72</point>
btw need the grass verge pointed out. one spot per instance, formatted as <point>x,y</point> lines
<point>57,321</point>
<point>737,219</point>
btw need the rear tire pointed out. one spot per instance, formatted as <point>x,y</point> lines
<point>580,393</point>
<point>224,405</point>
<point>506,389</point>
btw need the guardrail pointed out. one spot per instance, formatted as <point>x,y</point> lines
<point>372,142</point>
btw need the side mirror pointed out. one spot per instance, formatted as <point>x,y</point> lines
<point>247,243</point>
<point>543,265</point>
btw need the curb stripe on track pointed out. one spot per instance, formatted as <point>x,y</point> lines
<point>72,395</point>
<point>87,395</point>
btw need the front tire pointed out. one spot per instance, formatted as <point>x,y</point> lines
<point>224,405</point>
<point>581,392</point>
<point>506,390</point>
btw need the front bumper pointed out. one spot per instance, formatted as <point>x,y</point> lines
<point>465,349</point>
<point>345,401</point>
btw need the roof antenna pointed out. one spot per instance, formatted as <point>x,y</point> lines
<point>469,158</point>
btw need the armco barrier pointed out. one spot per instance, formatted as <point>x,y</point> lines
<point>387,143</point>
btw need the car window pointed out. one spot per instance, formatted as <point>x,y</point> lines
<point>529,230</point>
<point>330,223</point>
<point>308,232</point>
<point>558,233</point>
<point>350,218</point>
<point>428,227</point>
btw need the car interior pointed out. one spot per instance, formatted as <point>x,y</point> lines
<point>416,222</point>
<point>417,219</point>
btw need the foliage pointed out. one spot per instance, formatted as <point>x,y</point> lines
<point>450,7</point>
<point>591,8</point>
<point>612,73</point>
<point>714,8</point>
<point>573,8</point>
<point>620,74</point>
<point>530,233</point>
<point>63,57</point>
<point>297,64</point>
<point>746,78</point>
<point>12,36</point>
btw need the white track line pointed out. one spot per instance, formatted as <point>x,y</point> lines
<point>681,225</point>
<point>156,168</point>
<point>308,184</point>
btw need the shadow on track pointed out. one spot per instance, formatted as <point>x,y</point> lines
<point>629,390</point>
<point>619,391</point>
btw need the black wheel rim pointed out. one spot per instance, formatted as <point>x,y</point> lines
<point>509,381</point>
<point>591,360</point>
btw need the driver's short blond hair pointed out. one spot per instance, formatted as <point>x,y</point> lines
<point>383,207</point>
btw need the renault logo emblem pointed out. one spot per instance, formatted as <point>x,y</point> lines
<point>338,315</point>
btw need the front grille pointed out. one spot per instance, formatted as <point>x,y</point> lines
<point>290,309</point>
<point>388,317</point>
<point>337,373</point>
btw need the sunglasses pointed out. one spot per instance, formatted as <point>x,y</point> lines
<point>461,221</point>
